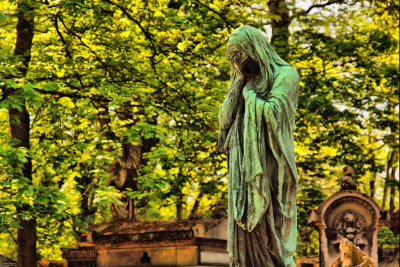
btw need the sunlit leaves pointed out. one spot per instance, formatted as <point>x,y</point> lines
<point>109,72</point>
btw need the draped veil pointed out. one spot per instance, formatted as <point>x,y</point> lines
<point>256,132</point>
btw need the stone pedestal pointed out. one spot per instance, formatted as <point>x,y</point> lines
<point>162,243</point>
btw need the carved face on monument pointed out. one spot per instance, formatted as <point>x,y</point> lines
<point>349,224</point>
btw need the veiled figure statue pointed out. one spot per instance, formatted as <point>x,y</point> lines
<point>256,122</point>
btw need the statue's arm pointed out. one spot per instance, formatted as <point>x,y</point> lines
<point>228,109</point>
<point>282,98</point>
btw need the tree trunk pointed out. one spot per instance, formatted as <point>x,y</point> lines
<point>196,204</point>
<point>387,179</point>
<point>147,145</point>
<point>179,209</point>
<point>372,182</point>
<point>393,190</point>
<point>372,186</point>
<point>280,27</point>
<point>19,124</point>
<point>27,244</point>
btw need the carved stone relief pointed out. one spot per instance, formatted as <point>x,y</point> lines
<point>350,224</point>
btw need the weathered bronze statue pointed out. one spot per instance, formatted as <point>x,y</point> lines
<point>256,122</point>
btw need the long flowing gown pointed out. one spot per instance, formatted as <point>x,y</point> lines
<point>258,137</point>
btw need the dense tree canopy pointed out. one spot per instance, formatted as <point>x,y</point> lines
<point>105,75</point>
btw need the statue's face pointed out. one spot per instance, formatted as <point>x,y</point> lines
<point>243,63</point>
<point>238,59</point>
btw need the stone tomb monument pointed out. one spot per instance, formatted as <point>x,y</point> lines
<point>347,214</point>
<point>122,242</point>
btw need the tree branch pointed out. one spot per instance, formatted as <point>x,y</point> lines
<point>97,98</point>
<point>15,241</point>
<point>216,12</point>
<point>64,42</point>
<point>328,3</point>
<point>146,33</point>
<point>88,47</point>
<point>197,203</point>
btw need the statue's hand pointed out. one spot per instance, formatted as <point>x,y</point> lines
<point>248,87</point>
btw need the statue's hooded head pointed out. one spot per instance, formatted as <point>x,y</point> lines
<point>249,44</point>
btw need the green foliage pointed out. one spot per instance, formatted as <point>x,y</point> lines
<point>107,72</point>
<point>348,107</point>
<point>386,238</point>
<point>104,73</point>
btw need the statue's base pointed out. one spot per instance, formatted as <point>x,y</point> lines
<point>162,243</point>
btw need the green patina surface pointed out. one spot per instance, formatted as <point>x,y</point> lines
<point>256,122</point>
